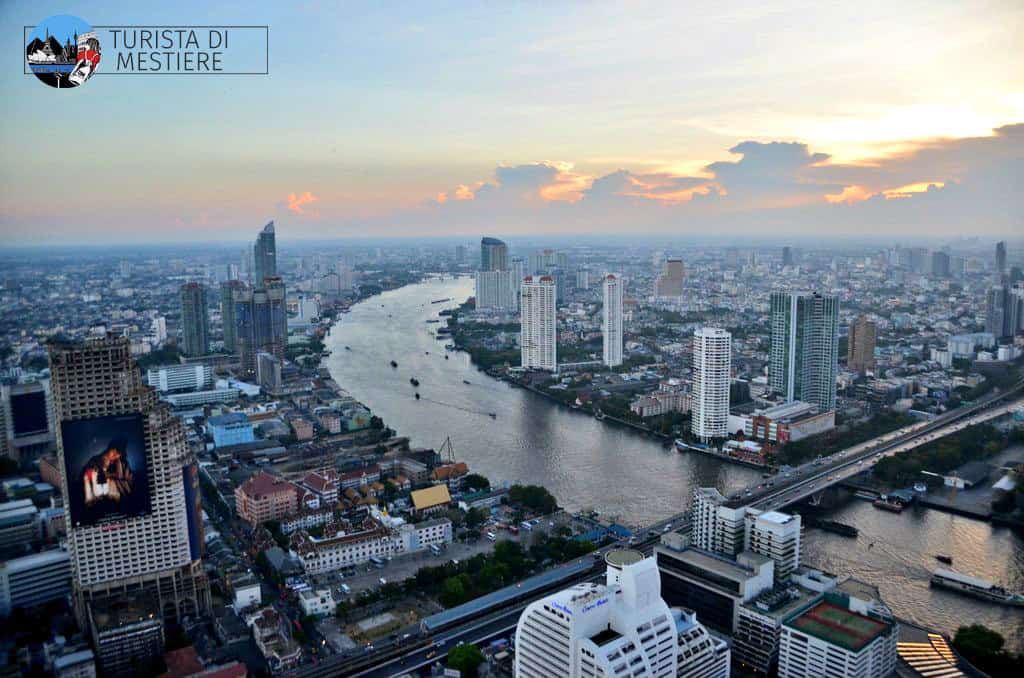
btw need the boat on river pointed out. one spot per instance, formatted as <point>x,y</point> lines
<point>394,364</point>
<point>976,587</point>
<point>948,560</point>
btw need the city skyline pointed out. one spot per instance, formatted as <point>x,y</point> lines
<point>513,130</point>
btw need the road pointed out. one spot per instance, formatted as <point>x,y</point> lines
<point>814,477</point>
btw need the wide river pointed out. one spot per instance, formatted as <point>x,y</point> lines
<point>589,464</point>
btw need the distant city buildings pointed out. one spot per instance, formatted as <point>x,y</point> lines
<point>538,333</point>
<point>1000,264</point>
<point>709,404</point>
<point>803,361</point>
<point>860,351</point>
<point>669,285</point>
<point>611,326</point>
<point>1004,311</point>
<point>195,320</point>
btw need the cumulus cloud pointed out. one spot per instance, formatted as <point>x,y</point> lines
<point>297,202</point>
<point>944,185</point>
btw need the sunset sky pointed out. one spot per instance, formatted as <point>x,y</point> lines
<point>409,119</point>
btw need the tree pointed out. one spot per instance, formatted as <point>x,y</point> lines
<point>465,659</point>
<point>475,481</point>
<point>475,518</point>
<point>983,648</point>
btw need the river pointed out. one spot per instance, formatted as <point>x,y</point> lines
<point>587,464</point>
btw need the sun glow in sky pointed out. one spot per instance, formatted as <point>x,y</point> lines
<point>608,117</point>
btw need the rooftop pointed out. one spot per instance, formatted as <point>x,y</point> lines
<point>430,497</point>
<point>263,484</point>
<point>838,626</point>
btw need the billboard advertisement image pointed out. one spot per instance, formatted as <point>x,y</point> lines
<point>105,462</point>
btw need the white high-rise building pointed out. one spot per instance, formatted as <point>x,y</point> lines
<point>538,333</point>
<point>621,628</point>
<point>612,325</point>
<point>775,535</point>
<point>712,356</point>
<point>728,527</point>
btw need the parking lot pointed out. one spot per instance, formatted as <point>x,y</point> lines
<point>367,576</point>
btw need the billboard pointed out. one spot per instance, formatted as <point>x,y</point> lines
<point>107,474</point>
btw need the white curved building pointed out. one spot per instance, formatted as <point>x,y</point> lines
<point>619,628</point>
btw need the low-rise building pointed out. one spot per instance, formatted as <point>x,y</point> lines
<point>317,603</point>
<point>246,591</point>
<point>324,483</point>
<point>783,423</point>
<point>431,499</point>
<point>265,497</point>
<point>270,631</point>
<point>229,429</point>
<point>19,523</point>
<point>837,635</point>
<point>342,546</point>
<point>34,579</point>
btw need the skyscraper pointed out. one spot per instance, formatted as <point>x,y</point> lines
<point>803,360</point>
<point>261,321</point>
<point>612,325</point>
<point>860,349</point>
<point>493,255</point>
<point>620,628</point>
<point>495,285</point>
<point>940,264</point>
<point>1004,311</point>
<point>712,356</point>
<point>129,484</point>
<point>1000,261</point>
<point>195,320</point>
<point>227,313</point>
<point>669,284</point>
<point>787,256</point>
<point>265,255</point>
<point>538,330</point>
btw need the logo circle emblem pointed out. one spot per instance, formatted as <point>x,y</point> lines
<point>63,51</point>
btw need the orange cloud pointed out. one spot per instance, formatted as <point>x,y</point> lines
<point>463,192</point>
<point>849,195</point>
<point>908,190</point>
<point>296,202</point>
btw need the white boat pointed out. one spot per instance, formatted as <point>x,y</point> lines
<point>974,586</point>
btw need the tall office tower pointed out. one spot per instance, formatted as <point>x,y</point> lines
<point>493,255</point>
<point>130,487</point>
<point>227,313</point>
<point>1000,261</point>
<point>245,265</point>
<point>264,255</point>
<point>712,358</point>
<point>803,360</point>
<point>669,285</point>
<point>538,330</point>
<point>732,257</point>
<point>787,256</point>
<point>940,264</point>
<point>460,254</point>
<point>612,325</point>
<point>1004,311</point>
<point>860,349</point>
<point>583,279</point>
<point>620,628</point>
<point>195,320</point>
<point>261,321</point>
<point>774,535</point>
